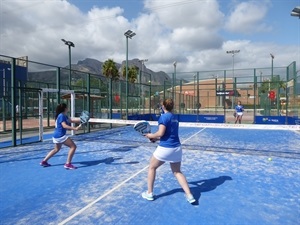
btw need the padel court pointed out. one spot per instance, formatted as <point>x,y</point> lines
<point>238,176</point>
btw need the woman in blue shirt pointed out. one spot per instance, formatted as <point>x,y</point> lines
<point>62,124</point>
<point>169,150</point>
<point>239,109</point>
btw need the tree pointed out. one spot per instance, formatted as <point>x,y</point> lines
<point>110,70</point>
<point>273,84</point>
<point>132,73</point>
<point>95,83</point>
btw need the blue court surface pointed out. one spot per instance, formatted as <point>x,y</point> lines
<point>237,176</point>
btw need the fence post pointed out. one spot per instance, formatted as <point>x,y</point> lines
<point>13,102</point>
<point>255,90</point>
<point>89,99</point>
<point>286,97</point>
<point>20,107</point>
<point>198,97</point>
<point>224,96</point>
<point>216,98</point>
<point>164,90</point>
<point>180,91</point>
<point>58,85</point>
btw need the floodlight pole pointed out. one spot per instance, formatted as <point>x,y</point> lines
<point>140,81</point>
<point>233,52</point>
<point>272,67</point>
<point>128,34</point>
<point>69,44</point>
<point>174,84</point>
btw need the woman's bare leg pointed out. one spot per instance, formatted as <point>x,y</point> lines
<point>154,164</point>
<point>56,149</point>
<point>72,150</point>
<point>180,177</point>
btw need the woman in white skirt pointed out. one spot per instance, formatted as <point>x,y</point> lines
<point>62,124</point>
<point>239,111</point>
<point>169,150</point>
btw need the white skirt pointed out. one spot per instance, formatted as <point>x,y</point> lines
<point>239,113</point>
<point>171,155</point>
<point>60,140</point>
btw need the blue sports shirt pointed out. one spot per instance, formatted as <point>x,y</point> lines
<point>170,139</point>
<point>59,130</point>
<point>239,108</point>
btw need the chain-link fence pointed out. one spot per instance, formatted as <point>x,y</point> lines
<point>27,85</point>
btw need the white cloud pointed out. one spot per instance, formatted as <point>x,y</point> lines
<point>247,18</point>
<point>188,14</point>
<point>189,33</point>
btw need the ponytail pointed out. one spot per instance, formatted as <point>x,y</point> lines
<point>60,109</point>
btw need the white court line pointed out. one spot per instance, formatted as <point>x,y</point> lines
<point>115,188</point>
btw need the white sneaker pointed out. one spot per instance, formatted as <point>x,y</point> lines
<point>190,198</point>
<point>148,196</point>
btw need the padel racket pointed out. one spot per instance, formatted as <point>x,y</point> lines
<point>84,117</point>
<point>142,127</point>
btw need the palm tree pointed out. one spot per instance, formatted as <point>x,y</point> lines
<point>132,73</point>
<point>110,70</point>
<point>275,83</point>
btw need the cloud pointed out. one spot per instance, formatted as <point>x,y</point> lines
<point>247,18</point>
<point>188,31</point>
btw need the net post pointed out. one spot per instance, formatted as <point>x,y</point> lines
<point>41,126</point>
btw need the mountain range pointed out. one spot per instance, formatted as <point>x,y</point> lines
<point>94,66</point>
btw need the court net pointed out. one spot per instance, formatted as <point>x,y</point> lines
<point>248,139</point>
<point>201,125</point>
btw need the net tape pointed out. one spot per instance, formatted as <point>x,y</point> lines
<point>201,125</point>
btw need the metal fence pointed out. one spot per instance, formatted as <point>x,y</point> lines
<point>195,93</point>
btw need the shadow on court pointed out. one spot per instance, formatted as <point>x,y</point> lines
<point>200,186</point>
<point>108,161</point>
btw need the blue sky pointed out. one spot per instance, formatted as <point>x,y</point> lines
<point>195,33</point>
<point>285,28</point>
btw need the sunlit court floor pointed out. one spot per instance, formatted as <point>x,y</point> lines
<point>237,176</point>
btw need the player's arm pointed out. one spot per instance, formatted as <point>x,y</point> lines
<point>161,131</point>
<point>66,126</point>
<point>74,120</point>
